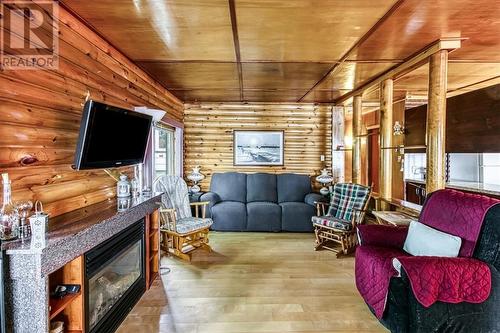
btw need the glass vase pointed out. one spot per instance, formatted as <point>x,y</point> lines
<point>9,215</point>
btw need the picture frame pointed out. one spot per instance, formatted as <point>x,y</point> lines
<point>258,148</point>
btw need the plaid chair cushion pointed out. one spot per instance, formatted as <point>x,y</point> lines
<point>345,198</point>
<point>332,222</point>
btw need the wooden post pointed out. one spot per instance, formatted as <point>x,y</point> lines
<point>357,120</point>
<point>436,122</point>
<point>385,168</point>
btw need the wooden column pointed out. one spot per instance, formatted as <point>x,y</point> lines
<point>385,167</point>
<point>436,121</point>
<point>357,120</point>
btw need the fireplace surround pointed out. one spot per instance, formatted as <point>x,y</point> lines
<point>115,278</point>
<point>30,273</point>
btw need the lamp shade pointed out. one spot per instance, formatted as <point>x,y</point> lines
<point>324,178</point>
<point>196,175</point>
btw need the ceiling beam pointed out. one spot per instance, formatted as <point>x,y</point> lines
<point>156,61</point>
<point>474,86</point>
<point>344,58</point>
<point>236,39</point>
<point>409,65</point>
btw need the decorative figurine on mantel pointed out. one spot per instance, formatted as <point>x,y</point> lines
<point>39,223</point>
<point>195,176</point>
<point>24,208</point>
<point>123,187</point>
<point>324,179</point>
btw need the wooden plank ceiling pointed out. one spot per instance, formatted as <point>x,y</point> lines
<point>298,50</point>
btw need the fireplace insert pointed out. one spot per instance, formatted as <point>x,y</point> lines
<point>115,279</point>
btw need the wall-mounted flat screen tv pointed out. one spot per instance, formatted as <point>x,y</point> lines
<point>111,137</point>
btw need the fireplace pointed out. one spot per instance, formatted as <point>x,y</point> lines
<point>114,279</point>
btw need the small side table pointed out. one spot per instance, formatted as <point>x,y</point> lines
<point>195,197</point>
<point>397,219</point>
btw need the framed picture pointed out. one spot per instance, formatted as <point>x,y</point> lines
<point>258,147</point>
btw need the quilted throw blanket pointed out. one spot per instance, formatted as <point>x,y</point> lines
<point>432,279</point>
<point>459,214</point>
<point>374,271</point>
<point>450,280</point>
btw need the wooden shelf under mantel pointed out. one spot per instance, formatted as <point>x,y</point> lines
<point>70,308</point>
<point>57,305</point>
<point>152,246</point>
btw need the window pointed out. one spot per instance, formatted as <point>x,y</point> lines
<point>476,167</point>
<point>163,152</point>
<point>483,168</point>
<point>414,166</point>
<point>490,168</point>
<point>464,167</point>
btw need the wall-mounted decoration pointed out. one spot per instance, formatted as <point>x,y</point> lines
<point>258,147</point>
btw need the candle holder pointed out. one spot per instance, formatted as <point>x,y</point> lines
<point>24,208</point>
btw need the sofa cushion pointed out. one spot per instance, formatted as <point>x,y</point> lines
<point>261,187</point>
<point>292,187</point>
<point>296,216</point>
<point>229,216</point>
<point>263,216</point>
<point>230,186</point>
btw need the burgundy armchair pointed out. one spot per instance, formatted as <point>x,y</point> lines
<point>468,287</point>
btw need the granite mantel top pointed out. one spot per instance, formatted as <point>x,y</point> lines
<point>71,235</point>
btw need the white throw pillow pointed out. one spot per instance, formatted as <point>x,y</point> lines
<point>423,240</point>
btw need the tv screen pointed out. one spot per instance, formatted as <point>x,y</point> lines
<point>111,137</point>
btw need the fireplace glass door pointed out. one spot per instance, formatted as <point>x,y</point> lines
<point>109,284</point>
<point>115,279</point>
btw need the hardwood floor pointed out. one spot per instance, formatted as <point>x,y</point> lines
<point>255,282</point>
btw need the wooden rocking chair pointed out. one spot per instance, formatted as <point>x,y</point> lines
<point>181,232</point>
<point>338,223</point>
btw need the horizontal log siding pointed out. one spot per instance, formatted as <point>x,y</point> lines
<point>40,112</point>
<point>208,140</point>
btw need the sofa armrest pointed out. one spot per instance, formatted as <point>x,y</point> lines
<point>382,235</point>
<point>313,198</point>
<point>213,199</point>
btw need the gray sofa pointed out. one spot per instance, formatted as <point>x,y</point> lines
<point>261,202</point>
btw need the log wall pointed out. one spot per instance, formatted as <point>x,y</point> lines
<point>40,113</point>
<point>209,136</point>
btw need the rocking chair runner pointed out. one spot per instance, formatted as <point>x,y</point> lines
<point>182,233</point>
<point>338,224</point>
